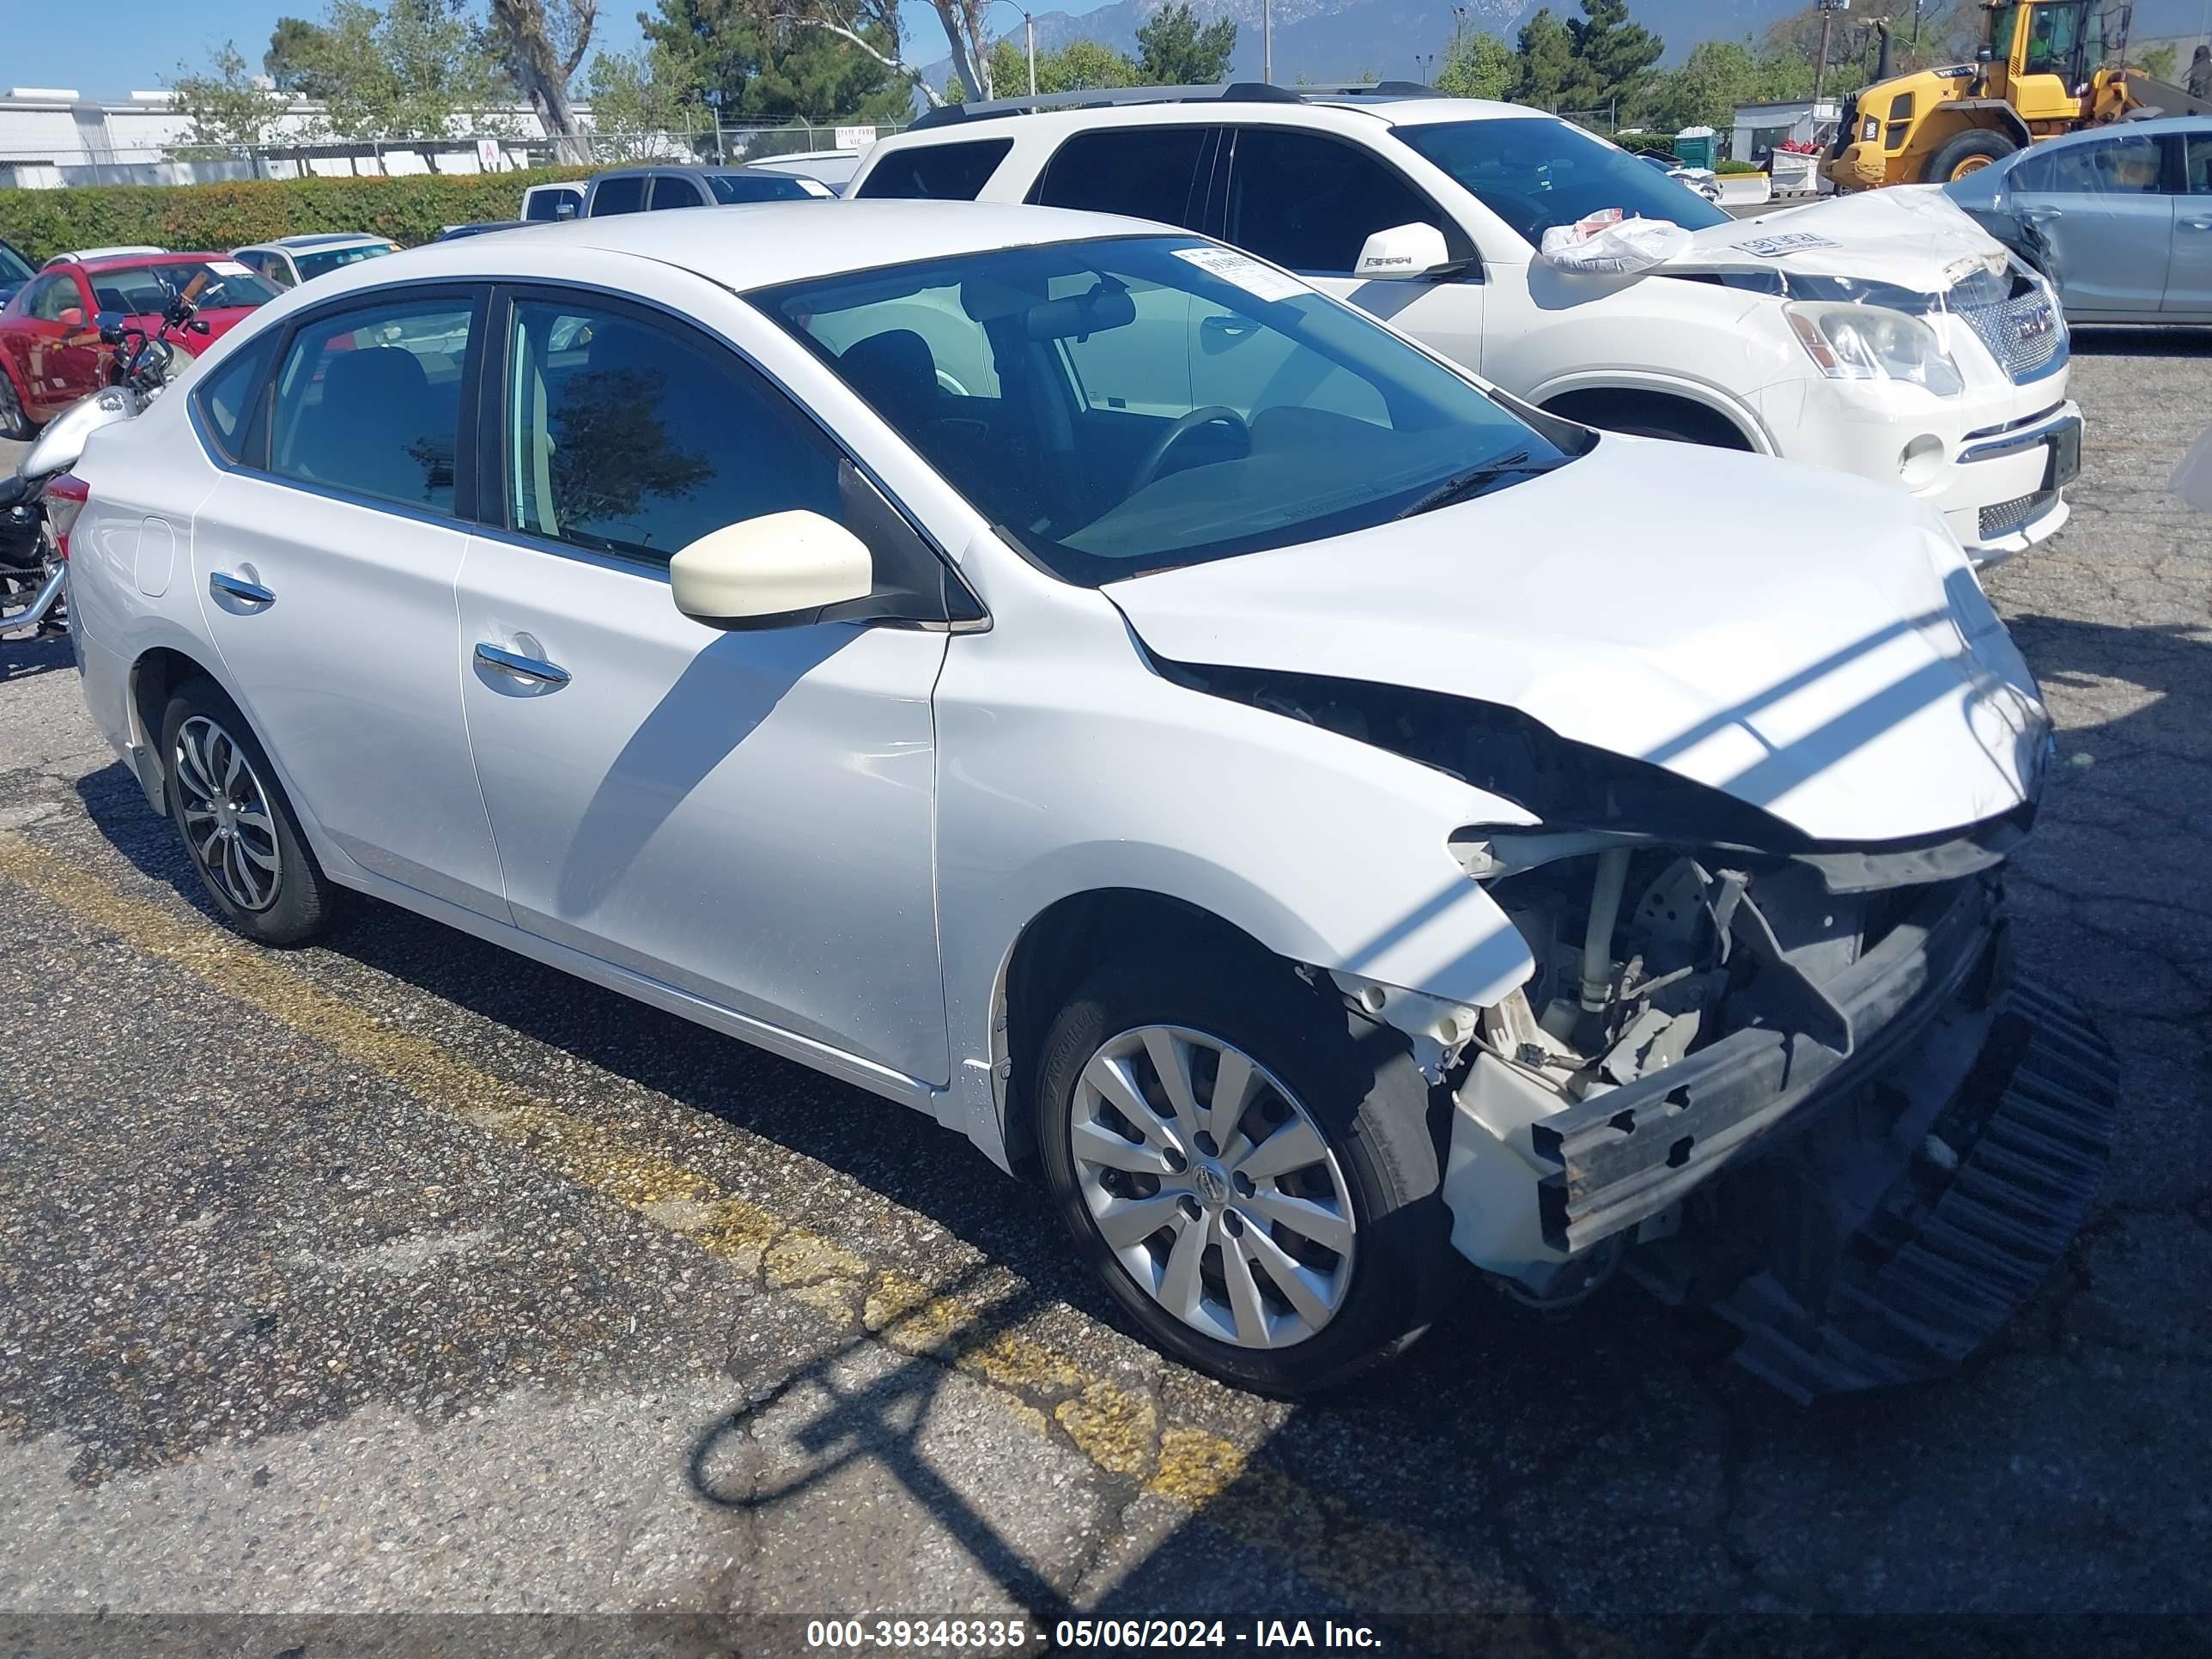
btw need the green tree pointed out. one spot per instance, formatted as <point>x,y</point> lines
<point>411,71</point>
<point>1546,71</point>
<point>1706,87</point>
<point>1476,65</point>
<point>735,66</point>
<point>1173,51</point>
<point>635,96</point>
<point>1078,66</point>
<point>298,51</point>
<point>2162,62</point>
<point>872,26</point>
<point>1616,54</point>
<point>225,108</point>
<point>539,47</point>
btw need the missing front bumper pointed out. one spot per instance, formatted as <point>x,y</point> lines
<point>1620,1157</point>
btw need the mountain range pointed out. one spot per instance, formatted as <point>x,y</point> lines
<point>1335,41</point>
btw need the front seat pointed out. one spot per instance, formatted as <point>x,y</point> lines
<point>896,374</point>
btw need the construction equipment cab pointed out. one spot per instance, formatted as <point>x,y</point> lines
<point>2041,72</point>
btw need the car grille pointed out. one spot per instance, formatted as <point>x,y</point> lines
<point>2014,319</point>
<point>2005,517</point>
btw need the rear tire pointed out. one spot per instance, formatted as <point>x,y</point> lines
<point>240,832</point>
<point>13,422</point>
<point>1371,1181</point>
<point>1970,152</point>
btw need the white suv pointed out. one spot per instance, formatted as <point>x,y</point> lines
<point>1885,335</point>
<point>1391,823</point>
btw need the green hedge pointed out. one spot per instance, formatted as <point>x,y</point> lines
<point>1729,164</point>
<point>204,217</point>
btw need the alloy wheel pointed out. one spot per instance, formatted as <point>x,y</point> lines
<point>228,823</point>
<point>1213,1185</point>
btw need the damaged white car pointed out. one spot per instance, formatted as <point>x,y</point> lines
<point>1314,835</point>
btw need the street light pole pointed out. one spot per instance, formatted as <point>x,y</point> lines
<point>1828,10</point>
<point>1029,24</point>
<point>1267,41</point>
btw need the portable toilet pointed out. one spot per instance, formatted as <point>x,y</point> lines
<point>1694,146</point>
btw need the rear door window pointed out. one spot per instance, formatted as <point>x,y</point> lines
<point>1310,202</point>
<point>368,400</point>
<point>1147,173</point>
<point>622,195</point>
<point>939,173</point>
<point>673,190</point>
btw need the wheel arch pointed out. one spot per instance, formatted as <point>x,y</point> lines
<point>1577,396</point>
<point>1053,955</point>
<point>155,673</point>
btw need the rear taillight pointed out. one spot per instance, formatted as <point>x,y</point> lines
<point>65,497</point>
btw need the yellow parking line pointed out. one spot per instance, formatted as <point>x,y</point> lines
<point>1116,1429</point>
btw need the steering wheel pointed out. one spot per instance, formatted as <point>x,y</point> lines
<point>1181,426</point>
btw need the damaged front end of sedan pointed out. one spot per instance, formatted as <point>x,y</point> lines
<point>1792,1081</point>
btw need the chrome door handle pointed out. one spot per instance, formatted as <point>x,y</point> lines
<point>530,668</point>
<point>237,587</point>
<point>2196,224</point>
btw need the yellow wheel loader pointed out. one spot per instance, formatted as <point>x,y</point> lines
<point>2041,71</point>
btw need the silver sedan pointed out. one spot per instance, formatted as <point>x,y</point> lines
<point>2120,218</point>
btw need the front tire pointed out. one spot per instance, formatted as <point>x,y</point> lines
<point>1968,153</point>
<point>1255,1171</point>
<point>239,830</point>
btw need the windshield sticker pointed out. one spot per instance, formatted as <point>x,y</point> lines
<point>1773,247</point>
<point>228,268</point>
<point>1247,273</point>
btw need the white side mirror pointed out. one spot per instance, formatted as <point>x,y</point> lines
<point>1401,252</point>
<point>773,566</point>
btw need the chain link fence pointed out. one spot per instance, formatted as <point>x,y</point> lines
<point>504,148</point>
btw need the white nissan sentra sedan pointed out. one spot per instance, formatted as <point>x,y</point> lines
<point>1317,835</point>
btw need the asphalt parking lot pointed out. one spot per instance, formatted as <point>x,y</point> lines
<point>401,1275</point>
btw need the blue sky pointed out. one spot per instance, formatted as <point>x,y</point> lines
<point>139,43</point>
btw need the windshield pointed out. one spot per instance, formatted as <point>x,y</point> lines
<point>1535,173</point>
<point>147,290</point>
<point>1138,402</point>
<point>314,265</point>
<point>13,267</point>
<point>731,188</point>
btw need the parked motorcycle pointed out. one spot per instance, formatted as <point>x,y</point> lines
<point>37,505</point>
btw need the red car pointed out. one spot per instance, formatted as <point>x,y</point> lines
<point>51,354</point>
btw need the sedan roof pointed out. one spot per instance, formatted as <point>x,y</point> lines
<point>757,245</point>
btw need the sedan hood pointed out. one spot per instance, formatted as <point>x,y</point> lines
<point>1811,644</point>
<point>1912,236</point>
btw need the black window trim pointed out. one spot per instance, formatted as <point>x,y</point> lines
<point>964,611</point>
<point>477,292</point>
<point>1458,243</point>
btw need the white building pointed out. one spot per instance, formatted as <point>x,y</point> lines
<point>52,137</point>
<point>1760,127</point>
